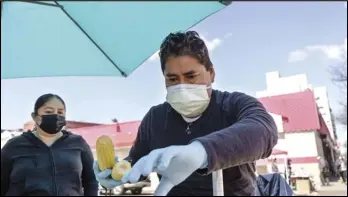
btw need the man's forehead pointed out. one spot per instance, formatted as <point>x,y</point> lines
<point>183,71</point>
<point>176,69</point>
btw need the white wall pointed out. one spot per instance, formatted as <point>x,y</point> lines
<point>277,85</point>
<point>301,144</point>
<point>322,100</point>
<point>279,122</point>
<point>319,144</point>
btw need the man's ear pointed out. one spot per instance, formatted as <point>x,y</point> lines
<point>212,74</point>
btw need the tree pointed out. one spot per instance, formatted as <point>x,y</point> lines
<point>339,77</point>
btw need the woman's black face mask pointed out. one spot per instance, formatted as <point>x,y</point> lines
<point>52,123</point>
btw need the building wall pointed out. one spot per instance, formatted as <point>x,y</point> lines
<point>279,122</point>
<point>319,144</point>
<point>302,144</point>
<point>277,85</point>
<point>303,149</point>
<point>322,100</point>
<point>311,169</point>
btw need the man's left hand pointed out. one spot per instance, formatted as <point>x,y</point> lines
<point>174,163</point>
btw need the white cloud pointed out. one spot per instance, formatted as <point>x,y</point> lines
<point>227,35</point>
<point>211,45</point>
<point>330,51</point>
<point>296,56</point>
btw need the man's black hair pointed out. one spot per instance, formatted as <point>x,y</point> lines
<point>184,43</point>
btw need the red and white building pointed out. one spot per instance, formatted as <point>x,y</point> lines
<point>306,134</point>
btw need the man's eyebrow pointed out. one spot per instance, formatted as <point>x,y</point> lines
<point>191,72</point>
<point>171,75</point>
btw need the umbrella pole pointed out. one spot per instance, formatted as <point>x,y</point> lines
<point>218,183</point>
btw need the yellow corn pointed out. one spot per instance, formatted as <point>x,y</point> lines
<point>120,169</point>
<point>105,153</point>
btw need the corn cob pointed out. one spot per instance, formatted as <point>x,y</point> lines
<point>105,153</point>
<point>120,169</point>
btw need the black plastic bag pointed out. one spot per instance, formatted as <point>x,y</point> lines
<point>273,185</point>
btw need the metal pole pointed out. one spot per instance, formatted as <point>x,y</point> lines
<point>218,183</point>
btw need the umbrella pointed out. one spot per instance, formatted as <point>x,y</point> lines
<point>91,38</point>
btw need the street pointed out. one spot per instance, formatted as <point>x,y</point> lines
<point>335,189</point>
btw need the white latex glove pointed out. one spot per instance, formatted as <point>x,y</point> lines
<point>174,163</point>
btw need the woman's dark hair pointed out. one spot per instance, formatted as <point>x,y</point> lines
<point>44,99</point>
<point>184,43</point>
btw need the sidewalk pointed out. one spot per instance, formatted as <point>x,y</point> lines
<point>335,189</point>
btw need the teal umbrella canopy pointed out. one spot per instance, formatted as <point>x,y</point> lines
<point>92,38</point>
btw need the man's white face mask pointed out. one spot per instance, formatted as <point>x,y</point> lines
<point>190,100</point>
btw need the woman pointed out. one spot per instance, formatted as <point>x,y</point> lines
<point>275,166</point>
<point>48,160</point>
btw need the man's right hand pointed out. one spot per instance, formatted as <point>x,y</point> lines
<point>104,177</point>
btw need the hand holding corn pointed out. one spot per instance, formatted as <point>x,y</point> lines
<point>108,169</point>
<point>174,163</point>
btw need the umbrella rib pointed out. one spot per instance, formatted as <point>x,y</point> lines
<point>43,3</point>
<point>91,39</point>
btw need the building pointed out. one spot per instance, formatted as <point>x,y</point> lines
<point>322,100</point>
<point>69,125</point>
<point>306,134</point>
<point>277,85</point>
<point>263,166</point>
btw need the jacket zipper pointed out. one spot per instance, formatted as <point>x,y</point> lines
<point>54,184</point>
<point>188,129</point>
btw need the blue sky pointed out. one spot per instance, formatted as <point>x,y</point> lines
<point>246,40</point>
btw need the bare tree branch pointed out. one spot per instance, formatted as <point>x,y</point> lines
<point>339,77</point>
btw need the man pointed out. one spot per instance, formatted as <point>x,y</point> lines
<point>289,162</point>
<point>198,130</point>
<point>324,171</point>
<point>342,169</point>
